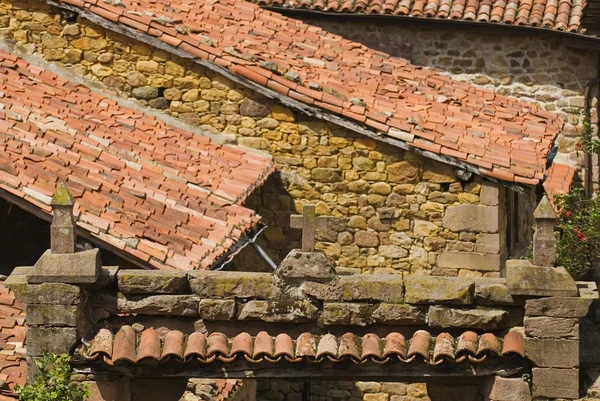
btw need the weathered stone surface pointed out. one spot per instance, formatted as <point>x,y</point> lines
<point>498,388</point>
<point>452,392</point>
<point>215,309</point>
<point>347,313</point>
<point>383,288</point>
<point>314,266</point>
<point>490,193</point>
<point>403,314</point>
<point>58,340</point>
<point>488,243</point>
<point>544,239</point>
<point>132,281</point>
<point>145,92</point>
<point>523,278</point>
<point>442,290</point>
<point>439,173</point>
<point>279,311</point>
<point>50,293</point>
<point>71,268</point>
<point>552,353</point>
<point>551,327</point>
<point>484,319</point>
<point>52,315</point>
<point>490,291</point>
<point>555,383</point>
<point>327,175</point>
<point>469,260</point>
<point>476,218</point>
<point>168,305</point>
<point>252,108</point>
<point>228,285</point>
<point>558,307</point>
<point>404,172</point>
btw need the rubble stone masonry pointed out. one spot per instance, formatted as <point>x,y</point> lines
<point>392,211</point>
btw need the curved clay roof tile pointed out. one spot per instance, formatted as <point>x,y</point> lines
<point>173,346</point>
<point>327,346</point>
<point>195,347</point>
<point>124,345</point>
<point>149,346</point>
<point>419,344</point>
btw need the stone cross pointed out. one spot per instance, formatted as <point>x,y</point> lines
<point>62,230</point>
<point>544,240</point>
<point>309,224</point>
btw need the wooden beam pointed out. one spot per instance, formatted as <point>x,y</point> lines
<point>271,94</point>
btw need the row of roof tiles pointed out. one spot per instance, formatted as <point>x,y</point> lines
<point>549,14</point>
<point>499,136</point>
<point>152,346</point>
<point>167,197</point>
<point>12,343</point>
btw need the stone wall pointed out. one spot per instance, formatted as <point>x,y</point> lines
<point>532,66</point>
<point>393,211</point>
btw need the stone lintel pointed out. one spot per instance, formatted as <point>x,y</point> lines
<point>371,287</point>
<point>133,281</point>
<point>555,383</point>
<point>314,266</point>
<point>523,278</point>
<point>439,290</point>
<point>71,268</point>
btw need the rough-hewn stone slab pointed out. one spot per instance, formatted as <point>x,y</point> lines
<point>215,309</point>
<point>558,307</point>
<point>474,218</point>
<point>165,305</point>
<point>555,383</point>
<point>523,278</point>
<point>484,318</point>
<point>58,340</point>
<point>315,266</point>
<point>228,285</point>
<point>439,290</point>
<point>551,327</point>
<point>546,352</point>
<point>52,315</point>
<point>72,268</point>
<point>404,314</point>
<point>384,288</point>
<point>152,282</point>
<point>498,388</point>
<point>493,291</point>
<point>51,293</point>
<point>469,260</point>
<point>279,311</point>
<point>347,314</point>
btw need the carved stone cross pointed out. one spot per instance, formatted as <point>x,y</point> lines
<point>309,224</point>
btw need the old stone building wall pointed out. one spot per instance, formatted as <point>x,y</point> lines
<point>394,212</point>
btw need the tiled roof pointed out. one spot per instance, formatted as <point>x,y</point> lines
<point>160,195</point>
<point>121,347</point>
<point>493,134</point>
<point>12,342</point>
<point>560,178</point>
<point>549,14</point>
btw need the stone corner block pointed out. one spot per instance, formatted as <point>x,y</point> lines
<point>53,315</point>
<point>314,266</point>
<point>555,383</point>
<point>58,340</point>
<point>133,281</point>
<point>562,307</point>
<point>71,268</point>
<point>552,353</point>
<point>493,291</point>
<point>498,388</point>
<point>523,278</point>
<point>439,290</point>
<point>474,218</point>
<point>587,289</point>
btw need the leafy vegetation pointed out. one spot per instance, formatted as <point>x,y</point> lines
<point>53,383</point>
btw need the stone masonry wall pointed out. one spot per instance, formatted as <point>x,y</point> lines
<point>533,67</point>
<point>394,212</point>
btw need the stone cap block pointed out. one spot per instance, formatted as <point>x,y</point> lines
<point>439,290</point>
<point>231,285</point>
<point>71,268</point>
<point>133,281</point>
<point>563,307</point>
<point>523,278</point>
<point>314,266</point>
<point>45,293</point>
<point>372,287</point>
<point>587,289</point>
<point>493,291</point>
<point>480,318</point>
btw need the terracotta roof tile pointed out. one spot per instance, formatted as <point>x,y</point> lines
<point>141,185</point>
<point>12,342</point>
<point>435,350</point>
<point>560,178</point>
<point>245,38</point>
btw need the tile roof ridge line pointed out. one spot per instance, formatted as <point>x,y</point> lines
<point>35,60</point>
<point>269,93</point>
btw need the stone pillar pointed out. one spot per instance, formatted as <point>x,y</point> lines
<point>62,230</point>
<point>544,240</point>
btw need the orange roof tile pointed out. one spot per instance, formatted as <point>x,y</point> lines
<point>12,342</point>
<point>539,13</point>
<point>560,178</point>
<point>469,346</point>
<point>160,195</point>
<point>431,112</point>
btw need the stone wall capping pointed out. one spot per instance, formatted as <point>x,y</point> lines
<point>524,278</point>
<point>494,291</point>
<point>74,268</point>
<point>373,287</point>
<point>442,290</point>
<point>152,282</point>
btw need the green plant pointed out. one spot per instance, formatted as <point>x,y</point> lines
<point>578,222</point>
<point>53,383</point>
<point>586,142</point>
